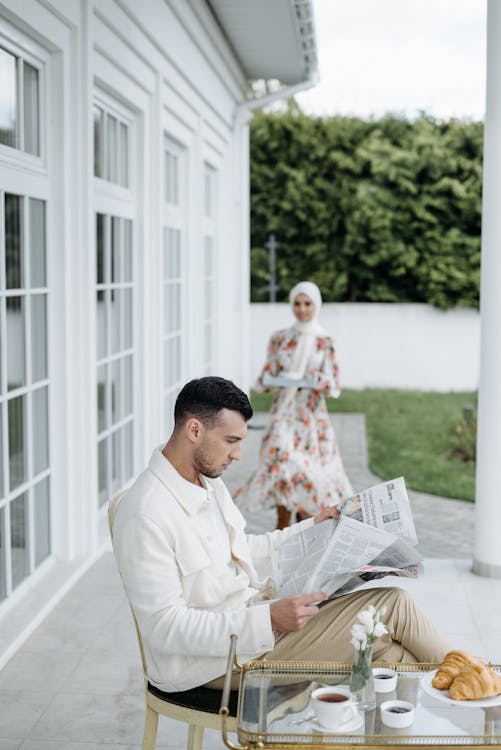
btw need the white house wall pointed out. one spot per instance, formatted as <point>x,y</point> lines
<point>166,68</point>
<point>404,346</point>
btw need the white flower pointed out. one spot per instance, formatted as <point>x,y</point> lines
<point>359,643</point>
<point>358,631</point>
<point>380,629</point>
<point>367,620</point>
<point>368,628</point>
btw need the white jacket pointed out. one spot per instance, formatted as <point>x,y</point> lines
<point>186,605</point>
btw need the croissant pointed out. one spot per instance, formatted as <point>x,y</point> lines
<point>474,682</point>
<point>453,663</point>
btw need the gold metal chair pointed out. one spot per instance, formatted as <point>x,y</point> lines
<point>185,706</point>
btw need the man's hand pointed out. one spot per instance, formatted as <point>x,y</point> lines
<point>293,612</point>
<point>330,512</point>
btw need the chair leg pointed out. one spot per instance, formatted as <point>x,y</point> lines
<point>150,729</point>
<point>195,737</point>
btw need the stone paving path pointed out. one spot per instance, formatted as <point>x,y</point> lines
<point>445,527</point>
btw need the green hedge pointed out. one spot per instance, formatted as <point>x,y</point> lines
<point>373,211</point>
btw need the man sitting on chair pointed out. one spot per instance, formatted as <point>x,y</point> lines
<point>193,577</point>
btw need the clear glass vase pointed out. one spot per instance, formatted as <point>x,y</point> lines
<point>362,679</point>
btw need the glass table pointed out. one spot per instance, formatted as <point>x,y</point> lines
<point>274,711</point>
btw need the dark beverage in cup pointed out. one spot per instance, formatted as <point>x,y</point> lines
<point>333,698</point>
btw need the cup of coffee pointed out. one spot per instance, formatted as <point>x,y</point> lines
<point>333,706</point>
<point>397,713</point>
<point>385,680</point>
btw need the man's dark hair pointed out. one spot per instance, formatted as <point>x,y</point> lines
<point>204,398</point>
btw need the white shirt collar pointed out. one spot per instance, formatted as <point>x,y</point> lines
<point>189,495</point>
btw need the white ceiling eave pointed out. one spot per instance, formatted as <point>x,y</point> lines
<point>272,39</point>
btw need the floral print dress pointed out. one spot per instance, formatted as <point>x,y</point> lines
<point>299,462</point>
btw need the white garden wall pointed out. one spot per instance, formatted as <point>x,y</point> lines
<point>408,346</point>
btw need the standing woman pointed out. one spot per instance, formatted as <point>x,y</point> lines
<point>300,469</point>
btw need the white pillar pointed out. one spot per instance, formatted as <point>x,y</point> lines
<point>487,556</point>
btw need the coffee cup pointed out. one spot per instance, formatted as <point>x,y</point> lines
<point>333,706</point>
<point>397,713</point>
<point>385,680</point>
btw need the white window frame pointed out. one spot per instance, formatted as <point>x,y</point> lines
<point>175,217</point>
<point>26,175</point>
<point>209,233</point>
<point>38,58</point>
<point>114,200</point>
<point>125,116</point>
<point>26,390</point>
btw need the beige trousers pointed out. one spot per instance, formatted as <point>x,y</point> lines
<point>411,637</point>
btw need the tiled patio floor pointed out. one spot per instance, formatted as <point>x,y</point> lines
<point>76,684</point>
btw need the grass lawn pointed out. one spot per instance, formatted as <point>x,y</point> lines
<point>409,433</point>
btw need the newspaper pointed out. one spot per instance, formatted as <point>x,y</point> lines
<point>374,537</point>
<point>385,506</point>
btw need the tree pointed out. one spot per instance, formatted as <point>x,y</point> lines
<point>385,210</point>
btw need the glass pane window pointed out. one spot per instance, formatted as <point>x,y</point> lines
<point>8,99</point>
<point>41,509</point>
<point>102,419</point>
<point>123,155</point>
<point>14,267</point>
<point>18,453</point>
<point>171,169</point>
<point>115,356</point>
<point>209,191</point>
<point>24,397</point>
<point>19,539</point>
<point>102,470</point>
<point>37,243</point>
<point>98,117</point>
<point>31,109</point>
<point>127,250</point>
<point>16,342</point>
<point>16,76</point>
<point>39,368</point>
<point>111,147</point>
<point>100,250</point>
<point>40,436</point>
<point>208,278</point>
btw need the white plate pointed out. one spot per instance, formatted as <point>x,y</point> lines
<point>443,695</point>
<point>348,726</point>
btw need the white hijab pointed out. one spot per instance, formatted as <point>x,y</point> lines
<point>307,332</point>
<point>306,339</point>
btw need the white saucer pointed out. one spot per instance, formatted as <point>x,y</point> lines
<point>348,726</point>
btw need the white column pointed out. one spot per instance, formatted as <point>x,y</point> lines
<point>487,557</point>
